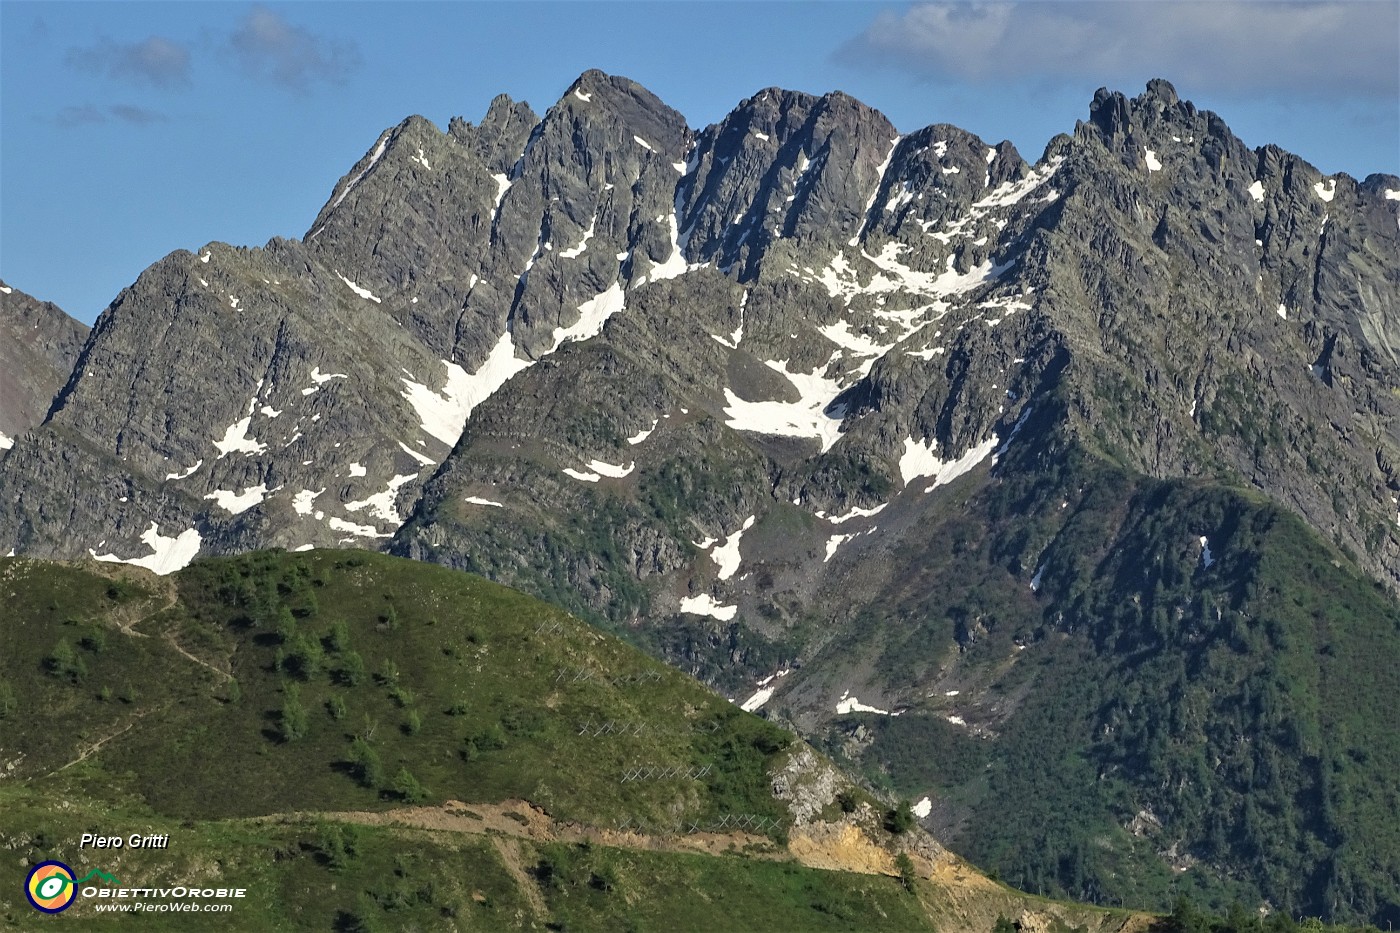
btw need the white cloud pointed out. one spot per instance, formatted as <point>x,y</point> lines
<point>156,61</point>
<point>1227,46</point>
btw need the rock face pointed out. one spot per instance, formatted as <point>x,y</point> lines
<point>824,414</point>
<point>38,346</point>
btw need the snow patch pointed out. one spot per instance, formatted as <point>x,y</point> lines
<point>757,700</point>
<point>185,475</point>
<point>236,440</point>
<point>593,314</point>
<point>477,500</point>
<point>1327,193</point>
<point>1206,557</point>
<point>832,543</point>
<point>616,471</point>
<point>363,293</point>
<point>422,159</point>
<point>705,605</point>
<point>812,415</point>
<point>581,476</point>
<point>1035,580</point>
<point>849,704</point>
<point>357,469</point>
<point>643,435</point>
<point>1152,164</point>
<point>444,415</point>
<point>1392,195</point>
<point>301,502</point>
<point>1256,191</point>
<point>236,503</point>
<point>776,675</point>
<point>857,513</point>
<point>421,458</point>
<point>586,98</point>
<point>643,143</point>
<point>879,182</point>
<point>919,460</point>
<point>577,251</point>
<point>169,554</point>
<point>1282,311</point>
<point>381,504</point>
<point>362,531</point>
<point>726,556</point>
<point>675,264</point>
<point>350,186</point>
<point>502,186</point>
<point>923,808</point>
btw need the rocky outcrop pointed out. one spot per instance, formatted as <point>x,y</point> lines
<point>38,346</point>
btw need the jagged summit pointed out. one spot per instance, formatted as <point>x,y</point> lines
<point>792,392</point>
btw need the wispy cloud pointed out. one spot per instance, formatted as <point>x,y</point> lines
<point>156,61</point>
<point>79,116</point>
<point>269,48</point>
<point>88,114</point>
<point>1315,48</point>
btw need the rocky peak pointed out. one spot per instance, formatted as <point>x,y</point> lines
<point>39,344</point>
<point>498,140</point>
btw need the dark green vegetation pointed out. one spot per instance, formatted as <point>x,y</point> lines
<point>1186,918</point>
<point>325,875</point>
<point>1146,725</point>
<point>353,680</point>
<point>265,710</point>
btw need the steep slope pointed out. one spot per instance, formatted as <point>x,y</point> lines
<point>38,346</point>
<point>764,483</point>
<point>811,409</point>
<point>557,774</point>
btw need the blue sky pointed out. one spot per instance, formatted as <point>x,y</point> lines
<point>128,130</point>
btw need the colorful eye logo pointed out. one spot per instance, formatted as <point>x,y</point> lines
<point>50,887</point>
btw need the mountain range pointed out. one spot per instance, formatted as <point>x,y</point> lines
<point>1071,483</point>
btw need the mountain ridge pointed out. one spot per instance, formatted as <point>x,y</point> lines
<point>716,389</point>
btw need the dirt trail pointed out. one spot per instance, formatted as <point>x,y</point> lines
<point>509,851</point>
<point>93,748</point>
<point>520,819</point>
<point>126,618</point>
<point>962,895</point>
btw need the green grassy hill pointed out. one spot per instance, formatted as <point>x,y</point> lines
<point>364,742</point>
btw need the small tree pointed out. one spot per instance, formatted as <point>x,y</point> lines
<point>336,707</point>
<point>907,874</point>
<point>413,723</point>
<point>64,662</point>
<point>338,640</point>
<point>365,760</point>
<point>295,721</point>
<point>901,819</point>
<point>408,788</point>
<point>388,673</point>
<point>286,624</point>
<point>352,669</point>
